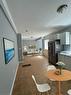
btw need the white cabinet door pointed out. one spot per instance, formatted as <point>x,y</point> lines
<point>62,38</point>
<point>65,38</point>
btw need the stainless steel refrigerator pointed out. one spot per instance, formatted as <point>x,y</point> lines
<point>53,49</point>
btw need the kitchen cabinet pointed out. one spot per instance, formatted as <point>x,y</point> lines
<point>58,36</point>
<point>65,38</point>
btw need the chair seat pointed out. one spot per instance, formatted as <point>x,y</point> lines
<point>69,91</point>
<point>51,67</point>
<point>52,79</point>
<point>43,87</point>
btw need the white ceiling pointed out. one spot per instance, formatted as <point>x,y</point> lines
<point>39,17</point>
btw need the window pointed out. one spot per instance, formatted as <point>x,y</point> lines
<point>46,44</point>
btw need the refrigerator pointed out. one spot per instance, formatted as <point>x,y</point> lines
<point>53,49</point>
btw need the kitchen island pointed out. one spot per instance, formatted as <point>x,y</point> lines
<point>65,56</point>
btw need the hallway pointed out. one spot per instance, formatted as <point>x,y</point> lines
<point>26,27</point>
<point>24,84</point>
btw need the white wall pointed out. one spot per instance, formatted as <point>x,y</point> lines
<point>39,44</point>
<point>52,36</point>
<point>70,41</point>
<point>7,71</point>
<point>19,42</point>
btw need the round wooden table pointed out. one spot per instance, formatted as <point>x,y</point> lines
<point>65,76</point>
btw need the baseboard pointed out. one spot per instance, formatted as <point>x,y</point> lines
<point>14,80</point>
<point>21,61</point>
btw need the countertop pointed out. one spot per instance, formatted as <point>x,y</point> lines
<point>67,53</point>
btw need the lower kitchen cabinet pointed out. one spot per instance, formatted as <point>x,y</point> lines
<point>66,60</point>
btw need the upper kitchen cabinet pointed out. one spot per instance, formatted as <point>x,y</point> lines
<point>65,38</point>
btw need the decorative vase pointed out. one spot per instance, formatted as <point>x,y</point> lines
<point>60,66</point>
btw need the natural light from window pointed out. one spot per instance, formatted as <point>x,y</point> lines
<point>46,44</point>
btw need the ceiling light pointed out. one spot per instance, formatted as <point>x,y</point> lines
<point>26,30</point>
<point>61,8</point>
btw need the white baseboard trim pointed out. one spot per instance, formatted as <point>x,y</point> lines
<point>14,80</point>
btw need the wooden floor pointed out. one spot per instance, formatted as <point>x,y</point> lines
<point>24,84</point>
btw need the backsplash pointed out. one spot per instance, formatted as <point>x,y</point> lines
<point>66,48</point>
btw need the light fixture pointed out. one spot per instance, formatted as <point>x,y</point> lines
<point>26,30</point>
<point>61,8</point>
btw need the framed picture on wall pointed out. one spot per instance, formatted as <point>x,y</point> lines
<point>9,50</point>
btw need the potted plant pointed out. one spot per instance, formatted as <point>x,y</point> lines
<point>60,66</point>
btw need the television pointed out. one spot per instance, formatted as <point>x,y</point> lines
<point>9,49</point>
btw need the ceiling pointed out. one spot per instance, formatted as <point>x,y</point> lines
<point>37,18</point>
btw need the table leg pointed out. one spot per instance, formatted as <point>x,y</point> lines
<point>59,88</point>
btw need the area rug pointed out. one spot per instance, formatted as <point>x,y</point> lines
<point>26,65</point>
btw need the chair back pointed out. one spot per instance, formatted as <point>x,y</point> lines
<point>69,92</point>
<point>51,67</point>
<point>33,77</point>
